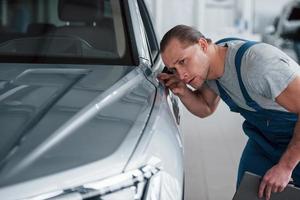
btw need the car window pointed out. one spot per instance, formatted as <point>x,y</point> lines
<point>64,31</point>
<point>154,49</point>
<point>295,14</point>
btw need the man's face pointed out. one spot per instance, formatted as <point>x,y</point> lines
<point>190,63</point>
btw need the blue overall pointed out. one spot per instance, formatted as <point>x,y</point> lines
<point>269,131</point>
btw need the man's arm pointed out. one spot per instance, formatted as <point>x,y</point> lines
<point>277,178</point>
<point>202,102</point>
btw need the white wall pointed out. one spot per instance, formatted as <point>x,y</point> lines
<point>207,15</point>
<point>167,14</point>
<point>215,16</point>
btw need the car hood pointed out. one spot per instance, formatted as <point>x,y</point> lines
<point>67,126</point>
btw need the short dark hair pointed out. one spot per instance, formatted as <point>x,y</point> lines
<point>185,34</point>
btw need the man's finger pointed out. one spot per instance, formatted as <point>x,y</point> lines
<point>268,192</point>
<point>161,76</point>
<point>275,189</point>
<point>164,76</point>
<point>177,90</point>
<point>280,189</point>
<point>170,82</point>
<point>262,187</point>
<point>172,86</point>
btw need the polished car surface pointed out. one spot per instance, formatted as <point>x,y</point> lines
<point>82,113</point>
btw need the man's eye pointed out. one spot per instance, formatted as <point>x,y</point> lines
<point>181,62</point>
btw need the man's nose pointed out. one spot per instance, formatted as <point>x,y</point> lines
<point>183,76</point>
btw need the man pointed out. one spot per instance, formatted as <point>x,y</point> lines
<point>255,79</point>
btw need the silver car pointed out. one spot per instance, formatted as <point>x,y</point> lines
<point>284,33</point>
<point>82,114</point>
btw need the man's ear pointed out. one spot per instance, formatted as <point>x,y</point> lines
<point>203,44</point>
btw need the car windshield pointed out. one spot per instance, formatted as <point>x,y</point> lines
<point>63,31</point>
<point>295,14</point>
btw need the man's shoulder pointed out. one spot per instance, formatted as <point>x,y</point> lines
<point>264,55</point>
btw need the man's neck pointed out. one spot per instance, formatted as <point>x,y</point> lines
<point>217,61</point>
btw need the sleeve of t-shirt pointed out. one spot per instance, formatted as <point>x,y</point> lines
<point>269,71</point>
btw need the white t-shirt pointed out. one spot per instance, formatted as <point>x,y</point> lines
<point>266,71</point>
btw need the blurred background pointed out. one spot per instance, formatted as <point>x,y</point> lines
<point>213,145</point>
<point>216,16</point>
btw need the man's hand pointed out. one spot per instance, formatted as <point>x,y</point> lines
<point>202,102</point>
<point>177,86</point>
<point>275,180</point>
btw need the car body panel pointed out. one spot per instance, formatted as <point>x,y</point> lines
<point>160,140</point>
<point>131,98</point>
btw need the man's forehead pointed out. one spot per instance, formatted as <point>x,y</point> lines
<point>168,57</point>
<point>175,42</point>
<point>172,50</point>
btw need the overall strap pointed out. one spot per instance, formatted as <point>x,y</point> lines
<point>223,94</point>
<point>238,61</point>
